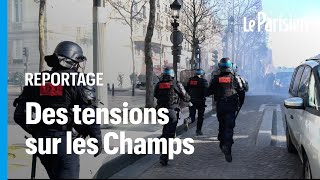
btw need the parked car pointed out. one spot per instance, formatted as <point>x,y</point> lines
<point>302,117</point>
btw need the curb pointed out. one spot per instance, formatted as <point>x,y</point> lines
<point>110,168</point>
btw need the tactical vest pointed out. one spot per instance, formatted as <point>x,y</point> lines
<point>167,94</point>
<point>49,96</point>
<point>226,85</point>
<point>196,88</point>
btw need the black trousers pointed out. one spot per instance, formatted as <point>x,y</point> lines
<point>169,129</point>
<point>200,106</point>
<point>226,114</point>
<point>61,165</point>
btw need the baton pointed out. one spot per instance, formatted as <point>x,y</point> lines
<point>33,167</point>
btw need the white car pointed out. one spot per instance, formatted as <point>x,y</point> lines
<point>302,117</point>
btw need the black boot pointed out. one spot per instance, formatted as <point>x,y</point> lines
<point>164,160</point>
<point>199,132</point>
<point>227,153</point>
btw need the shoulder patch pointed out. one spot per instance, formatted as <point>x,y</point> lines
<point>224,80</point>
<point>163,85</point>
<point>193,82</point>
<point>49,90</point>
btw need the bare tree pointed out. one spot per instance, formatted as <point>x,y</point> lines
<point>148,55</point>
<point>129,12</point>
<point>245,41</point>
<point>41,25</point>
<point>198,22</point>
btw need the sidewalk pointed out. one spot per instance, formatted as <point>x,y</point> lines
<point>19,163</point>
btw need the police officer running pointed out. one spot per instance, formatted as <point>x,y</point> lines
<point>169,93</point>
<point>226,89</point>
<point>66,58</point>
<point>197,88</point>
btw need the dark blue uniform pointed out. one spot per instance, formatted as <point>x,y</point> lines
<point>226,89</point>
<point>197,89</point>
<point>62,165</point>
<point>168,93</point>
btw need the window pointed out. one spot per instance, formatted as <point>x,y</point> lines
<point>138,51</point>
<point>144,30</point>
<point>159,34</point>
<point>303,87</point>
<point>135,6</point>
<point>17,11</point>
<point>17,50</point>
<point>313,100</point>
<point>144,12</point>
<point>295,87</point>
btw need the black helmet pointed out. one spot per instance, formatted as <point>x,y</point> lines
<point>199,72</point>
<point>70,50</point>
<point>69,55</point>
<point>225,65</point>
<point>168,72</point>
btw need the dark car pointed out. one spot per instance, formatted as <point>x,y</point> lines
<point>282,81</point>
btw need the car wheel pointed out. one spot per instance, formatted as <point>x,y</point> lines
<point>290,146</point>
<point>306,168</point>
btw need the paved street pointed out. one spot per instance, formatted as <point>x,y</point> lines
<point>256,154</point>
<point>20,162</point>
<point>251,158</point>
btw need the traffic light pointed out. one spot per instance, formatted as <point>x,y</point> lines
<point>25,51</point>
<point>215,56</point>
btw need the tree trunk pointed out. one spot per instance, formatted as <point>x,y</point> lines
<point>148,55</point>
<point>133,61</point>
<point>41,25</point>
<point>193,59</point>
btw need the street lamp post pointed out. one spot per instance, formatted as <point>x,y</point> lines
<point>176,36</point>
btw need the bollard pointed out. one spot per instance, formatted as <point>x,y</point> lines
<point>112,89</point>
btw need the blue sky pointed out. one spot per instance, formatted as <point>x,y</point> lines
<point>296,8</point>
<point>291,48</point>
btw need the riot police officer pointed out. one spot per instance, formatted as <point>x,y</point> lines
<point>197,89</point>
<point>244,84</point>
<point>66,58</point>
<point>226,89</point>
<point>169,93</point>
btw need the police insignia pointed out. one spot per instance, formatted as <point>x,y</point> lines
<point>164,85</point>
<point>49,90</point>
<point>193,82</point>
<point>224,80</point>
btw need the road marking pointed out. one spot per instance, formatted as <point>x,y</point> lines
<point>281,135</point>
<point>271,131</point>
<point>264,134</point>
